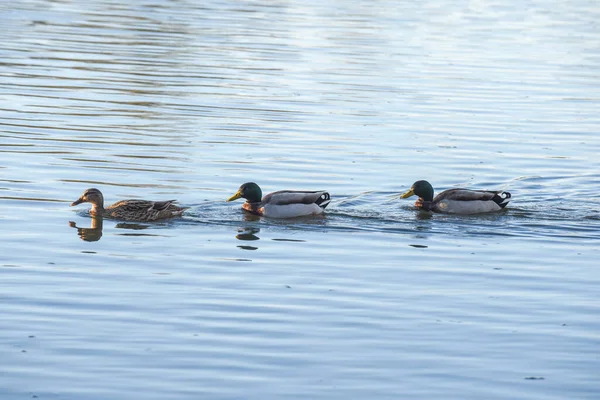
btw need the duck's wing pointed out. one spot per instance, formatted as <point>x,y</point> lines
<point>143,210</point>
<point>131,205</point>
<point>466,195</point>
<point>142,205</point>
<point>162,205</point>
<point>287,197</point>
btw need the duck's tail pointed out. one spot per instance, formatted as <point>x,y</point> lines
<point>323,200</point>
<point>502,199</point>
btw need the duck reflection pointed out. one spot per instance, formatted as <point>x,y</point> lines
<point>424,215</point>
<point>248,217</point>
<point>94,233</point>
<point>247,234</point>
<point>91,234</point>
<point>131,225</point>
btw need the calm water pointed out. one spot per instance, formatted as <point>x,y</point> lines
<point>188,100</point>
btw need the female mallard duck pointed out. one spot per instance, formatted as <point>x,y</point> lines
<point>457,201</point>
<point>129,210</point>
<point>282,204</point>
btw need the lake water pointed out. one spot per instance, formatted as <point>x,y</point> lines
<point>188,100</point>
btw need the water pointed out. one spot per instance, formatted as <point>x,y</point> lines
<point>188,100</point>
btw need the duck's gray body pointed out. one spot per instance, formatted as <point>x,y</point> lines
<point>466,201</point>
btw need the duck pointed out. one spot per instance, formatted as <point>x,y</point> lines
<point>281,204</point>
<point>129,210</point>
<point>457,201</point>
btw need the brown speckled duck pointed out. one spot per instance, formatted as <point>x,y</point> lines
<point>129,210</point>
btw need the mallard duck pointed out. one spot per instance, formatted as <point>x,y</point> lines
<point>457,201</point>
<point>129,210</point>
<point>281,204</point>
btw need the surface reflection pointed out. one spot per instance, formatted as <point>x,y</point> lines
<point>91,234</point>
<point>247,234</point>
<point>248,217</point>
<point>424,215</point>
<point>131,225</point>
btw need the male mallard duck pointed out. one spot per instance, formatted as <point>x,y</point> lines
<point>129,210</point>
<point>281,204</point>
<point>457,201</point>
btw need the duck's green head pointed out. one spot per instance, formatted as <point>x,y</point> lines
<point>423,189</point>
<point>91,195</point>
<point>249,191</point>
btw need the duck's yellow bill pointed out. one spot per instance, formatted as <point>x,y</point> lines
<point>235,196</point>
<point>411,192</point>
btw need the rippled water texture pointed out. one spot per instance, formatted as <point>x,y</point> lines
<point>375,300</point>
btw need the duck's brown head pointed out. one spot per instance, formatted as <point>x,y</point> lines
<point>91,195</point>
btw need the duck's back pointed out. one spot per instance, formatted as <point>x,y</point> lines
<point>143,210</point>
<point>466,201</point>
